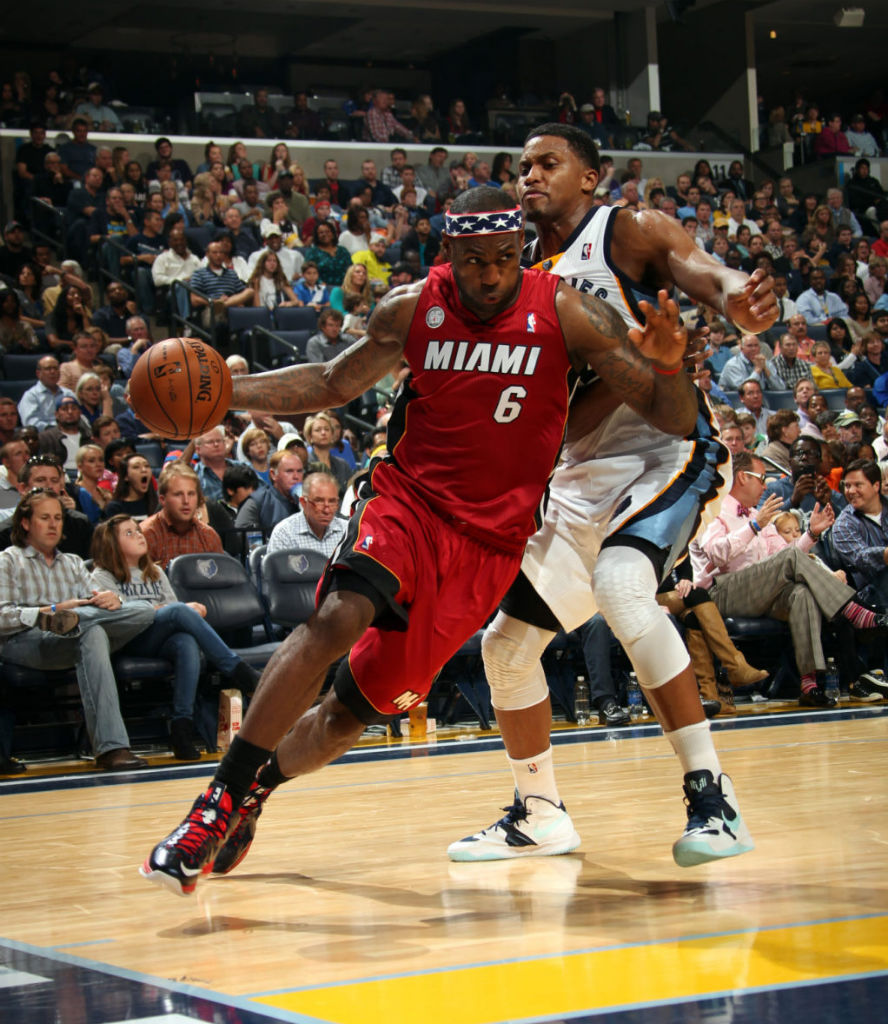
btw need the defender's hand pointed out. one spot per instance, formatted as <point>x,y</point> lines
<point>664,338</point>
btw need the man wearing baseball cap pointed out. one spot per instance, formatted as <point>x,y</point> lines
<point>14,254</point>
<point>291,260</point>
<point>68,434</point>
<point>94,109</point>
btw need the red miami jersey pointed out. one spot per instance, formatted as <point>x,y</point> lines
<point>478,426</point>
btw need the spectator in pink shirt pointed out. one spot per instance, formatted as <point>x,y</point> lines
<point>750,570</point>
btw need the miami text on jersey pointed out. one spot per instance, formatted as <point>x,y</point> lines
<point>481,357</point>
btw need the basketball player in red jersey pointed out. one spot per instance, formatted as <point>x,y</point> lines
<point>429,555</point>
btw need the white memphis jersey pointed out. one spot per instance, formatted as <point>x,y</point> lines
<point>585,264</point>
<point>624,477</point>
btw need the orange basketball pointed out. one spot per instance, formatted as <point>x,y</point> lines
<point>180,388</point>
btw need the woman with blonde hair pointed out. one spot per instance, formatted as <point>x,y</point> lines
<point>178,632</point>
<point>270,285</point>
<point>203,201</point>
<point>91,498</point>
<point>355,282</point>
<point>820,226</point>
<point>649,186</point>
<point>170,195</point>
<point>119,160</point>
<point>93,397</point>
<point>320,435</point>
<point>299,183</point>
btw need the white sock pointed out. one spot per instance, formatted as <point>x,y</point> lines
<point>695,749</point>
<point>535,776</point>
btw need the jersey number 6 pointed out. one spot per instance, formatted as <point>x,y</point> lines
<point>508,407</point>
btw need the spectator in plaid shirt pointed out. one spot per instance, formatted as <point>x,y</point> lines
<point>860,533</point>
<point>787,366</point>
<point>380,124</point>
<point>51,617</point>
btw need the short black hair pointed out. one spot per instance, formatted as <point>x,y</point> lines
<point>481,199</point>
<point>113,447</point>
<point>866,466</point>
<point>579,142</point>
<point>239,475</point>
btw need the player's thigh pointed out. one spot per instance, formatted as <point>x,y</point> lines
<point>455,591</point>
<point>559,561</point>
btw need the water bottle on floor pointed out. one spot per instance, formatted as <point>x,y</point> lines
<point>581,701</point>
<point>634,698</point>
<point>831,682</point>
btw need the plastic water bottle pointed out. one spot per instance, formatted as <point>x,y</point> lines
<point>296,492</point>
<point>254,539</point>
<point>633,694</point>
<point>581,701</point>
<point>831,683</point>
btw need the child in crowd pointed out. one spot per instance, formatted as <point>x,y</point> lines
<point>357,312</point>
<point>310,289</point>
<point>789,525</point>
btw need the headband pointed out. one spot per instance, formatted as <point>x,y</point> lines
<point>495,222</point>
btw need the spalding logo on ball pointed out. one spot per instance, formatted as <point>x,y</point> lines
<point>180,388</point>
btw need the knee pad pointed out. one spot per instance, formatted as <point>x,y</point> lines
<point>625,587</point>
<point>511,650</point>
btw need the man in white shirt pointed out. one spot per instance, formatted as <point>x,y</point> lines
<point>738,219</point>
<point>408,180</point>
<point>291,260</point>
<point>177,263</point>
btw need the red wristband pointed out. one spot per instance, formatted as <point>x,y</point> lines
<point>667,373</point>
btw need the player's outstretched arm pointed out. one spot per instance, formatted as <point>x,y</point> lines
<point>645,372</point>
<point>309,388</point>
<point>746,300</point>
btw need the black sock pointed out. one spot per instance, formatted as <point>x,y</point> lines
<point>239,766</point>
<point>270,773</point>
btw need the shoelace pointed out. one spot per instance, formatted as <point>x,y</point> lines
<point>193,837</point>
<point>705,806</point>
<point>514,813</point>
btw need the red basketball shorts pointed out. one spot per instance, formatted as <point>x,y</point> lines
<point>441,586</point>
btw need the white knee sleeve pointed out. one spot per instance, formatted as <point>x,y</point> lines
<point>511,650</point>
<point>625,587</point>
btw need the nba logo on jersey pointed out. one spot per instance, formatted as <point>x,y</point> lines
<point>366,542</point>
<point>586,251</point>
<point>531,323</point>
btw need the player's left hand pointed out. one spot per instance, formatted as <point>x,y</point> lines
<point>664,339</point>
<point>754,306</point>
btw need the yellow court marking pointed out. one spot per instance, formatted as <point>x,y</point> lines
<point>594,980</point>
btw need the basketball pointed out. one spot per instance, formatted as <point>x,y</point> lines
<point>180,388</point>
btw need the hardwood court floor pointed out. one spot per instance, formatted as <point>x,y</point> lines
<point>348,911</point>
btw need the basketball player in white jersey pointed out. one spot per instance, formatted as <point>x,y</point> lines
<point>624,503</point>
